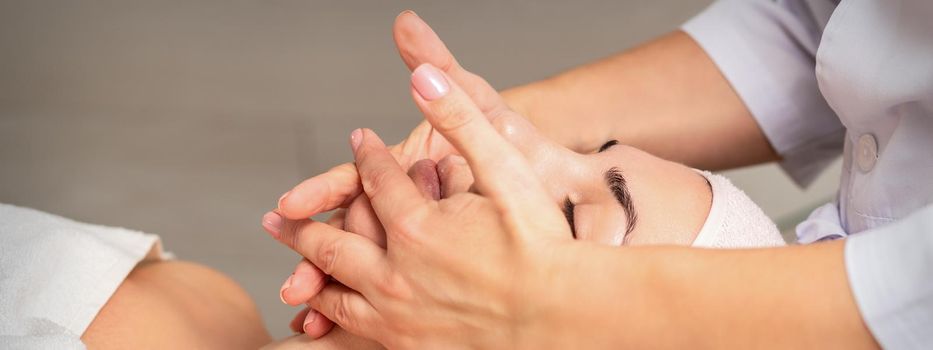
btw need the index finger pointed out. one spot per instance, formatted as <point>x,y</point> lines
<point>391,192</point>
<point>334,189</point>
<point>417,43</point>
<point>499,169</point>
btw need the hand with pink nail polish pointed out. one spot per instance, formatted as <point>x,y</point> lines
<point>307,280</point>
<point>340,186</point>
<point>416,291</point>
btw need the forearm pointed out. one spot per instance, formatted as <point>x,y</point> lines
<point>666,97</point>
<point>672,297</point>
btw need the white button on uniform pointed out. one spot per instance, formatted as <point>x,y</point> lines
<point>866,153</point>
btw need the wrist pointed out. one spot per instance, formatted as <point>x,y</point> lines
<point>538,299</point>
<point>571,298</point>
<point>593,296</point>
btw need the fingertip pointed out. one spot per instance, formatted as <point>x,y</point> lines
<point>284,289</point>
<point>297,323</point>
<point>430,82</point>
<point>300,202</point>
<point>282,198</point>
<point>305,282</point>
<point>418,43</point>
<point>370,137</point>
<point>291,295</point>
<point>309,321</point>
<point>316,325</point>
<point>356,138</point>
<point>304,266</point>
<point>406,13</point>
<point>272,222</point>
<point>364,136</point>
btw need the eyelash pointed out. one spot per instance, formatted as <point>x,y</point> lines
<point>568,213</point>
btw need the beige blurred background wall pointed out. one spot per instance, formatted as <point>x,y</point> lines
<point>189,118</point>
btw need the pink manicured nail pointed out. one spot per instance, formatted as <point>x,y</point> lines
<point>272,222</point>
<point>429,82</point>
<point>288,283</point>
<point>356,137</point>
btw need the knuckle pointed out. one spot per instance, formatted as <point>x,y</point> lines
<point>409,226</point>
<point>506,124</point>
<point>330,254</point>
<point>342,312</point>
<point>376,179</point>
<point>454,115</point>
<point>393,286</point>
<point>292,232</point>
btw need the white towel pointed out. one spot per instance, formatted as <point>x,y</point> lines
<point>56,274</point>
<point>734,220</point>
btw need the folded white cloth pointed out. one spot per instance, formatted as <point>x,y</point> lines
<point>56,274</point>
<point>734,220</point>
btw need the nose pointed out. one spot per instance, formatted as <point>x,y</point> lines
<point>550,160</point>
<point>521,134</point>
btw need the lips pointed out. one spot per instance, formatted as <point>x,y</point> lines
<point>424,174</point>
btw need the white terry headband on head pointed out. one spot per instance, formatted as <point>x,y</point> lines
<point>734,220</point>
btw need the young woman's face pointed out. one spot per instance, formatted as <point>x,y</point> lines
<point>618,195</point>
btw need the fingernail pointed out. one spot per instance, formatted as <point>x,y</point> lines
<point>285,286</point>
<point>409,12</point>
<point>272,222</point>
<point>283,198</point>
<point>309,320</point>
<point>429,82</point>
<point>356,137</point>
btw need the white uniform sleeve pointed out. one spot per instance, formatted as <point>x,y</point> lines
<point>890,272</point>
<point>766,50</point>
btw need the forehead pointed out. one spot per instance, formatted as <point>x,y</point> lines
<point>671,200</point>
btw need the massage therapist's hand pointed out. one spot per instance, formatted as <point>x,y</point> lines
<point>359,218</point>
<point>462,271</point>
<point>340,186</point>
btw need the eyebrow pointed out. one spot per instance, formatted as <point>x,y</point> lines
<point>619,189</point>
<point>607,145</point>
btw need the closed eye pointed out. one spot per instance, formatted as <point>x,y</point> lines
<point>568,213</point>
